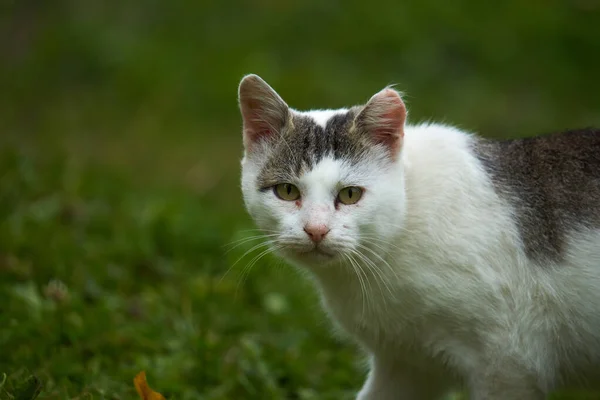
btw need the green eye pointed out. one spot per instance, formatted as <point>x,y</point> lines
<point>287,192</point>
<point>350,195</point>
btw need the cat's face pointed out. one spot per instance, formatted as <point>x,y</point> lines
<point>323,185</point>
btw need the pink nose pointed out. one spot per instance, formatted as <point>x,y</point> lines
<point>316,232</point>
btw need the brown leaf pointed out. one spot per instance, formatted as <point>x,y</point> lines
<point>145,392</point>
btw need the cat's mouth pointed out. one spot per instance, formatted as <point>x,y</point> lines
<point>316,251</point>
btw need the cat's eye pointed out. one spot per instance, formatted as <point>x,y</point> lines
<point>350,195</point>
<point>287,191</point>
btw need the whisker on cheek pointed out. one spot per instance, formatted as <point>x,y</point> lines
<point>253,248</point>
<point>246,270</point>
<point>236,243</point>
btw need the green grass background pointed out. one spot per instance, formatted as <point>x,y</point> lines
<point>119,169</point>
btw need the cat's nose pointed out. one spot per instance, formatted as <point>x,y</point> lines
<point>316,232</point>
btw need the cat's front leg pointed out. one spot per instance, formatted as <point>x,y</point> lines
<point>394,381</point>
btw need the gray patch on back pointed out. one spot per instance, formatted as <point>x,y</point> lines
<point>553,183</point>
<point>303,143</point>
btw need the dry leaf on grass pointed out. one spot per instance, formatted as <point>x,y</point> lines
<point>145,392</point>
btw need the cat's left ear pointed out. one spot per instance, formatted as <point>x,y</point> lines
<point>383,119</point>
<point>264,112</point>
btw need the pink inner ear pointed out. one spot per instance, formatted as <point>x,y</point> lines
<point>391,123</point>
<point>255,127</point>
<point>385,118</point>
<point>254,135</point>
<point>263,111</point>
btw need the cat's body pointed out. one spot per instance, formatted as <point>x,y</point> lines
<point>480,259</point>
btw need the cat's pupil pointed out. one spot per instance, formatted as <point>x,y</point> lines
<point>288,188</point>
<point>350,193</point>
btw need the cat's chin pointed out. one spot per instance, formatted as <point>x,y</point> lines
<point>312,256</point>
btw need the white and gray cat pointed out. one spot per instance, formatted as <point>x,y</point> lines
<point>454,261</point>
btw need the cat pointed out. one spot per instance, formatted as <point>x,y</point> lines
<point>455,261</point>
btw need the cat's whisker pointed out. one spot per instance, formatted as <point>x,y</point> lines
<point>253,248</point>
<point>381,280</point>
<point>247,238</point>
<point>366,290</point>
<point>378,239</point>
<point>374,269</point>
<point>381,277</point>
<point>258,256</point>
<point>363,289</point>
<point>248,267</point>
<point>385,263</point>
<point>250,251</point>
<point>372,242</point>
<point>239,242</point>
<point>386,251</point>
<point>368,281</point>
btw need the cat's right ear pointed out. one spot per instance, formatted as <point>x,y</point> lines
<point>264,112</point>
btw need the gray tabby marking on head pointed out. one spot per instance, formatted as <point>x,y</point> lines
<point>290,143</point>
<point>303,143</point>
<point>553,184</point>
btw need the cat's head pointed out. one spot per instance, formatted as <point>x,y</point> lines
<point>323,184</point>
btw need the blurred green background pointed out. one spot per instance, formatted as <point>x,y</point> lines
<point>119,168</point>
